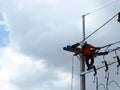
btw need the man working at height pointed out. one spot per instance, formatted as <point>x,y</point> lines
<point>86,50</point>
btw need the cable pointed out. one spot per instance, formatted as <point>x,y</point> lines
<point>110,44</point>
<point>114,82</point>
<point>107,77</point>
<point>72,72</point>
<point>117,69</point>
<point>102,85</point>
<point>96,80</point>
<point>108,83</point>
<point>100,27</point>
<point>97,30</point>
<point>104,6</point>
<point>111,50</point>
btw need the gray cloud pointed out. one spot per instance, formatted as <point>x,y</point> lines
<point>41,30</point>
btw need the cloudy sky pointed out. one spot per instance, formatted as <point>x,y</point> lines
<point>33,33</point>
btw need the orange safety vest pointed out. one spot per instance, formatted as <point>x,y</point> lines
<point>86,50</point>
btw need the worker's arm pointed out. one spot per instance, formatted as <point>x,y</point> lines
<point>80,51</point>
<point>91,46</point>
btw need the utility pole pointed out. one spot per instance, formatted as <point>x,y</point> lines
<point>82,63</point>
<point>82,57</point>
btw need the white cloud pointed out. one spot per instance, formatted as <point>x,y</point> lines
<point>19,72</point>
<point>48,1</point>
<point>38,25</point>
<point>39,30</point>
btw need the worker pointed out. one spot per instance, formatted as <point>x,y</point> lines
<point>86,50</point>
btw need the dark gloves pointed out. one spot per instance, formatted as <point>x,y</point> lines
<point>75,54</point>
<point>75,45</point>
<point>97,48</point>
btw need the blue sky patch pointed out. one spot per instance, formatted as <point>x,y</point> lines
<point>4,36</point>
<point>4,33</point>
<point>1,17</point>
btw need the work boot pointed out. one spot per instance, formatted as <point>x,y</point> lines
<point>105,53</point>
<point>102,53</point>
<point>91,67</point>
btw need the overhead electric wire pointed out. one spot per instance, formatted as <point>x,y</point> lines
<point>110,44</point>
<point>96,30</point>
<point>72,73</point>
<point>104,23</point>
<point>104,6</point>
<point>101,84</point>
<point>115,83</point>
<point>101,26</point>
<point>107,83</point>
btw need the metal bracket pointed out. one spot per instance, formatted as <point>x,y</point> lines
<point>70,49</point>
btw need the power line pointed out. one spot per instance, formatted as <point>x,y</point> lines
<point>110,44</point>
<point>104,6</point>
<point>72,73</point>
<point>101,26</point>
<point>77,44</point>
<point>115,83</point>
<point>71,49</point>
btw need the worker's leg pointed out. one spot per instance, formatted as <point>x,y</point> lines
<point>91,59</point>
<point>89,62</point>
